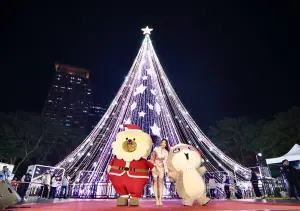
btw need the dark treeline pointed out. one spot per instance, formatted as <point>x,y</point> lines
<point>26,139</point>
<point>273,138</point>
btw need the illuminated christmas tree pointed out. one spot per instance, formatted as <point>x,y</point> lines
<point>146,99</point>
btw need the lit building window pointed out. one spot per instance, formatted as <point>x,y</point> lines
<point>69,88</point>
<point>62,87</point>
<point>50,101</point>
<point>84,111</point>
<point>67,120</point>
<point>68,125</point>
<point>88,93</point>
<point>71,81</point>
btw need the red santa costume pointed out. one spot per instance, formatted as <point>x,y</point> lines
<point>128,172</point>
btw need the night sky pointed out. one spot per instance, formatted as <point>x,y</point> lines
<point>223,59</point>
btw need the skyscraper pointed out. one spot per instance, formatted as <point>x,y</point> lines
<point>69,97</point>
<point>95,114</point>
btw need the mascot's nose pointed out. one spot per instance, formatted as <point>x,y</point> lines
<point>129,141</point>
<point>186,155</point>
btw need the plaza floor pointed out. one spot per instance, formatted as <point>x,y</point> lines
<point>148,205</point>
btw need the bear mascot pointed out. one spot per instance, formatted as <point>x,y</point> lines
<point>184,165</point>
<point>129,170</point>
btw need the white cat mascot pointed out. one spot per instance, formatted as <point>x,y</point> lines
<point>184,163</point>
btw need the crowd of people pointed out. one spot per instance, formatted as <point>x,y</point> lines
<point>230,189</point>
<point>49,184</point>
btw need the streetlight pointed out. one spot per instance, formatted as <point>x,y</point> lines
<point>258,162</point>
<point>260,171</point>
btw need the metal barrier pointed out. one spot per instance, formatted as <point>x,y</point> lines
<point>105,190</point>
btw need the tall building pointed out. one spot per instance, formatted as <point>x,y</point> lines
<point>69,98</point>
<point>95,114</point>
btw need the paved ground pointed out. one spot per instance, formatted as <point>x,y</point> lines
<point>148,204</point>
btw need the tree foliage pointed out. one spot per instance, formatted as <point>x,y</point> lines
<point>273,138</point>
<point>26,139</point>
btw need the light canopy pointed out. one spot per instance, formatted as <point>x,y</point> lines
<point>146,99</point>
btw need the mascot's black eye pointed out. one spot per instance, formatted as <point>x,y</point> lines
<point>134,139</point>
<point>126,139</point>
<point>176,150</point>
<point>191,148</point>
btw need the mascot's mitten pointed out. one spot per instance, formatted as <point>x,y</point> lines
<point>183,164</point>
<point>128,172</point>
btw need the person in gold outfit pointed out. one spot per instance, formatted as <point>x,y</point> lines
<point>159,158</point>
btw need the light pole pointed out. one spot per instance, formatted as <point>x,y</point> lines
<point>258,162</point>
<point>259,155</point>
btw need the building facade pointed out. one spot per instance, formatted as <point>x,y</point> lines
<point>96,112</point>
<point>69,98</point>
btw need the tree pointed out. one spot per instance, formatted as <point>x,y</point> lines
<point>234,136</point>
<point>273,138</point>
<point>26,137</point>
<point>280,134</point>
<point>21,134</point>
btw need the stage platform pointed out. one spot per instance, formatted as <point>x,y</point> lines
<point>149,204</point>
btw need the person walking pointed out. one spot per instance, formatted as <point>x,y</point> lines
<point>26,179</point>
<point>212,186</point>
<point>254,181</point>
<point>226,182</point>
<point>54,183</point>
<point>64,186</point>
<point>290,174</point>
<point>46,181</point>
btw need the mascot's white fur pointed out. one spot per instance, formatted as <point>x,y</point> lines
<point>184,163</point>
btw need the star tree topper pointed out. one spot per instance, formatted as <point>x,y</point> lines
<point>147,30</point>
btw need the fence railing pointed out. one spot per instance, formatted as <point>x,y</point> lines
<point>105,190</point>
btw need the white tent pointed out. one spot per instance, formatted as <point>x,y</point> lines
<point>292,155</point>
